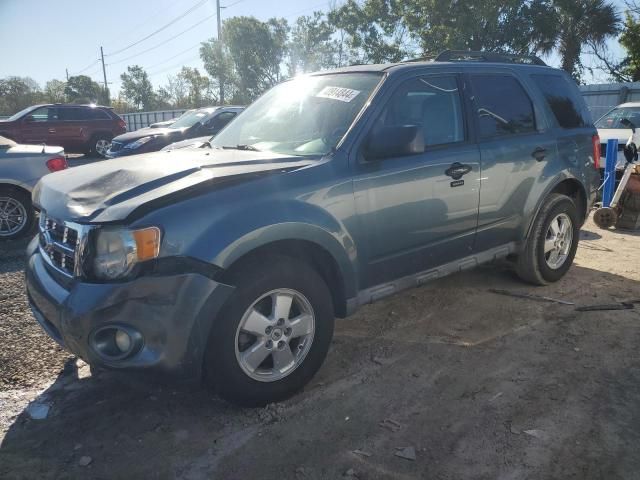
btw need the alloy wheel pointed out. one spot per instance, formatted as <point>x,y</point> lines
<point>102,146</point>
<point>558,241</point>
<point>274,335</point>
<point>13,216</point>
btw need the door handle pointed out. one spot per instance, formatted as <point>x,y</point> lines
<point>52,130</point>
<point>539,153</point>
<point>457,170</point>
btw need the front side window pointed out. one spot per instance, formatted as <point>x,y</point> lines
<point>432,103</point>
<point>304,116</point>
<point>561,100</point>
<point>613,118</point>
<point>502,106</point>
<point>44,114</point>
<point>216,123</point>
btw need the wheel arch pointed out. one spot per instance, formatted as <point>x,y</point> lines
<point>333,266</point>
<point>569,186</point>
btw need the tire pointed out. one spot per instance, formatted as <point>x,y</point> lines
<point>15,206</point>
<point>228,344</point>
<point>536,266</point>
<point>98,147</point>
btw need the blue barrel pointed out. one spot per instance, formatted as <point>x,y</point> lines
<point>610,172</point>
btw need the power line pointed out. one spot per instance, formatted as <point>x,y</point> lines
<point>172,57</point>
<point>179,17</point>
<point>174,66</point>
<point>164,42</point>
<point>86,68</point>
<point>234,3</point>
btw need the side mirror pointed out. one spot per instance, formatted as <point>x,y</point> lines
<point>629,124</point>
<point>394,141</point>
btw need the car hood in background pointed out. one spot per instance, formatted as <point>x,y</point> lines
<point>189,143</point>
<point>620,134</point>
<point>150,132</point>
<point>111,190</point>
<point>30,150</point>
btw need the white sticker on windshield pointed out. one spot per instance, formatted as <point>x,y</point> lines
<point>338,93</point>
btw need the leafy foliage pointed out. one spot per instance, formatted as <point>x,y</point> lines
<point>136,88</point>
<point>81,89</point>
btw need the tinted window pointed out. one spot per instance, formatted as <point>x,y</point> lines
<point>44,114</point>
<point>503,107</point>
<point>216,123</point>
<point>71,113</point>
<point>561,100</point>
<point>613,118</point>
<point>430,102</point>
<point>96,114</point>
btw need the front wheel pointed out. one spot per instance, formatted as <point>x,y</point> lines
<point>273,333</point>
<point>552,242</point>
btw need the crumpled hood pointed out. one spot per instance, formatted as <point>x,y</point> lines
<point>109,191</point>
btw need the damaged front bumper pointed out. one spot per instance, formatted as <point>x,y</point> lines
<point>168,317</point>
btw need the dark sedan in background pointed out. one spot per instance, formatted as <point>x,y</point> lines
<point>198,123</point>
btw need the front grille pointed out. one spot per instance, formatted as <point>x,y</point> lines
<point>115,146</point>
<point>60,244</point>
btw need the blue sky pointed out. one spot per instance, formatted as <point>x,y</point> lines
<point>41,38</point>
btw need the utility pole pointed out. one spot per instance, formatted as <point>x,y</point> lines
<point>104,75</point>
<point>221,79</point>
<point>67,71</point>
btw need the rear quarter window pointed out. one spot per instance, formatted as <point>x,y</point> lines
<point>96,114</point>
<point>567,108</point>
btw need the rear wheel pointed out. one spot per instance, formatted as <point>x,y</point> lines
<point>272,335</point>
<point>552,242</point>
<point>100,144</point>
<point>16,214</point>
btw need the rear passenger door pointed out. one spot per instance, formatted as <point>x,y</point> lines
<point>413,215</point>
<point>71,125</point>
<point>515,148</point>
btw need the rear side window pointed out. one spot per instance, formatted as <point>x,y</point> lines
<point>502,106</point>
<point>70,114</point>
<point>96,114</point>
<point>561,100</point>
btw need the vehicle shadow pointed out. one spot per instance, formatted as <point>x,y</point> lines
<point>117,425</point>
<point>12,254</point>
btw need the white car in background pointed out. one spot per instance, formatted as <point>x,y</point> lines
<point>609,127</point>
<point>21,167</point>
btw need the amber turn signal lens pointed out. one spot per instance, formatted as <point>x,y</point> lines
<point>147,243</point>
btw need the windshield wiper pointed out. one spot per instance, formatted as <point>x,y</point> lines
<point>242,147</point>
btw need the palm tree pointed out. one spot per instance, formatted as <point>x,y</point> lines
<point>572,24</point>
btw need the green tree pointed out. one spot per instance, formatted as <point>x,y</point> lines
<point>81,89</point>
<point>311,46</point>
<point>17,93</point>
<point>630,40</point>
<point>574,25</point>
<point>249,60</point>
<point>197,87</point>
<point>136,88</point>
<point>373,31</point>
<point>54,91</point>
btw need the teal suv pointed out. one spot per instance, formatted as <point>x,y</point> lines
<point>229,262</point>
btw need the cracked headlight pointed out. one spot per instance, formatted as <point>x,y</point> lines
<point>117,251</point>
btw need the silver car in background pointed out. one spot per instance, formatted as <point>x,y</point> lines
<point>21,167</point>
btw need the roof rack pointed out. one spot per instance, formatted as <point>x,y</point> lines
<point>475,56</point>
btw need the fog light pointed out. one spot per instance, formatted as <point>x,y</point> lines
<point>123,341</point>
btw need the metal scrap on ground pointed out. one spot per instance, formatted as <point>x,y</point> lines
<point>529,296</point>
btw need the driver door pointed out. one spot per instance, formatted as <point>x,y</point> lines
<point>40,125</point>
<point>414,215</point>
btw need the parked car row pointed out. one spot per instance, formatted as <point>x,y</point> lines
<point>202,122</point>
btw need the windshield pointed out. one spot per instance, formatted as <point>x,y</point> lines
<point>612,119</point>
<point>189,119</point>
<point>16,116</point>
<point>304,116</point>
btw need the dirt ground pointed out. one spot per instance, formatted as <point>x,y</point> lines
<point>463,382</point>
